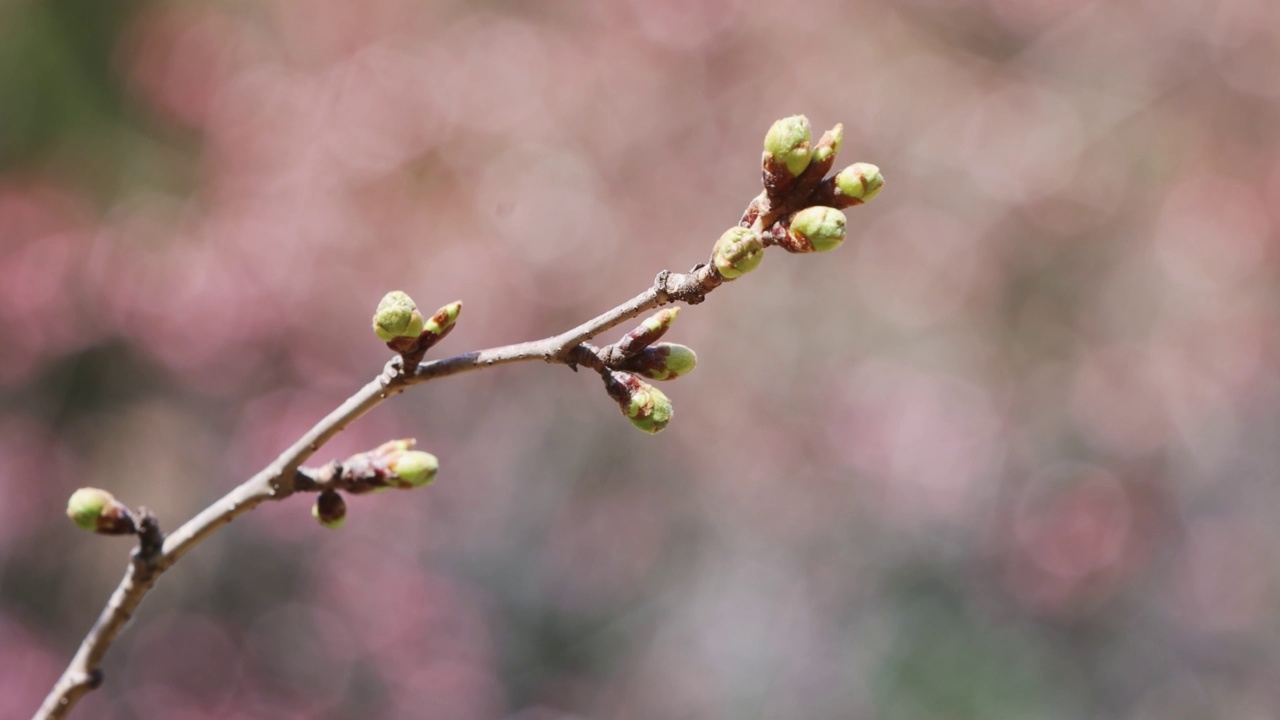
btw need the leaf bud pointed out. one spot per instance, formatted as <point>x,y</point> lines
<point>653,328</point>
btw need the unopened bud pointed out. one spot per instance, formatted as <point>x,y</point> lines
<point>829,144</point>
<point>787,144</point>
<point>439,324</point>
<point>815,229</point>
<point>663,361</point>
<point>397,317</point>
<point>860,181</point>
<point>411,469</point>
<point>330,510</point>
<point>647,407</point>
<point>653,328</point>
<point>738,251</point>
<point>99,512</point>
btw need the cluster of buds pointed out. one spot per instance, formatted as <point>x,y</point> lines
<point>639,357</point>
<point>393,464</point>
<point>800,208</point>
<point>399,324</point>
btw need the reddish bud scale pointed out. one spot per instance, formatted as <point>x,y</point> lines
<point>649,332</point>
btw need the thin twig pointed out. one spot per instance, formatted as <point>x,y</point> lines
<point>278,480</point>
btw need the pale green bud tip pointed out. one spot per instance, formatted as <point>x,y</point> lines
<point>444,318</point>
<point>860,180</point>
<point>330,510</point>
<point>788,142</point>
<point>830,143</point>
<point>738,251</point>
<point>414,468</point>
<point>87,505</point>
<point>650,408</point>
<point>821,228</point>
<point>662,319</point>
<point>397,317</point>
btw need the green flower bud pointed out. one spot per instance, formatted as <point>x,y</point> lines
<point>330,510</point>
<point>412,468</point>
<point>738,251</point>
<point>815,229</point>
<point>829,144</point>
<point>663,361</point>
<point>860,181</point>
<point>647,407</point>
<point>653,328</point>
<point>787,142</point>
<point>99,512</point>
<point>397,317</point>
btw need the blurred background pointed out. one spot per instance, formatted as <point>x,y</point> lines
<point>1011,452</point>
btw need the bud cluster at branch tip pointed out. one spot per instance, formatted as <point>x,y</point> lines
<point>400,324</point>
<point>647,407</point>
<point>330,510</point>
<point>98,511</point>
<point>738,251</point>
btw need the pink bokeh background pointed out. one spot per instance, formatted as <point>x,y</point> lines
<point>1010,452</point>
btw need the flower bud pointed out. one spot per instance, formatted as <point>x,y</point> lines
<point>787,143</point>
<point>647,407</point>
<point>815,229</point>
<point>99,512</point>
<point>663,361</point>
<point>412,468</point>
<point>397,317</point>
<point>738,251</point>
<point>330,510</point>
<point>653,328</point>
<point>860,181</point>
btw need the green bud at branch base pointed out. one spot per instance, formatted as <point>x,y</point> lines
<point>397,317</point>
<point>738,251</point>
<point>647,407</point>
<point>330,510</point>
<point>99,512</point>
<point>815,229</point>
<point>663,361</point>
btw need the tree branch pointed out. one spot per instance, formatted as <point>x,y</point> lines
<point>776,217</point>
